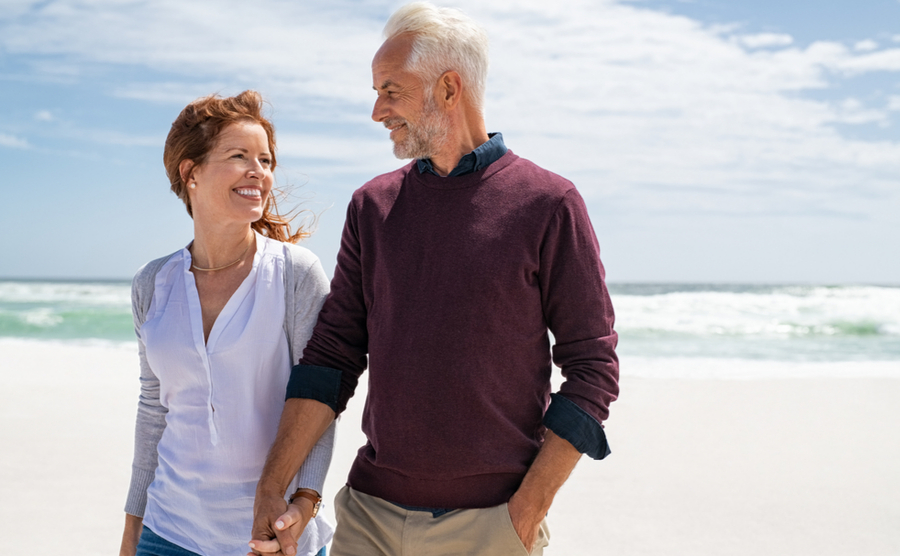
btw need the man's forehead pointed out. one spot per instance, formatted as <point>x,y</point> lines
<point>394,51</point>
<point>390,73</point>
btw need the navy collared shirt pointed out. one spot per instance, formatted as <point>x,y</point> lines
<point>482,157</point>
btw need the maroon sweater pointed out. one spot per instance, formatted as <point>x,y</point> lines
<point>450,285</point>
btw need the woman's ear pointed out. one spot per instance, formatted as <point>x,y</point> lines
<point>186,170</point>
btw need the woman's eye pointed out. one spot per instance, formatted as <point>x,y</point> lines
<point>266,161</point>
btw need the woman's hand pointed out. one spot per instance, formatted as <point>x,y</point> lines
<point>286,528</point>
<point>131,535</point>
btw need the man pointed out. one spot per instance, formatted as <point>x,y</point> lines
<point>450,273</point>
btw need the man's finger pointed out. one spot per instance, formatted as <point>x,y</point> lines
<point>283,530</point>
<point>291,516</point>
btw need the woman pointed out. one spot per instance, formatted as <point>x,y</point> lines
<point>218,324</point>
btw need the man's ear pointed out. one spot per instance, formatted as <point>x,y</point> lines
<point>449,90</point>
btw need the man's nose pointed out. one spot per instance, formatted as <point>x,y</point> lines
<point>378,111</point>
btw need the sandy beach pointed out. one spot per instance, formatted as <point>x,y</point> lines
<point>800,466</point>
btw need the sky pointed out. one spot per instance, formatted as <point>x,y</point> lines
<point>712,140</point>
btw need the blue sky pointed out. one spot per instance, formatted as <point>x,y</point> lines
<point>713,140</point>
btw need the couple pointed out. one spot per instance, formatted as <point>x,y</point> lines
<point>450,273</point>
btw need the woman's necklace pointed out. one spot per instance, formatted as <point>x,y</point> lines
<point>195,267</point>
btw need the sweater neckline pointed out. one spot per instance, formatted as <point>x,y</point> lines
<point>461,182</point>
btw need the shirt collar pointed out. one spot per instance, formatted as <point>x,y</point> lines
<point>480,158</point>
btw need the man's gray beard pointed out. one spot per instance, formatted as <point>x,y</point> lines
<point>427,137</point>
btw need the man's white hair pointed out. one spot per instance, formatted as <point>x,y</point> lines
<point>445,39</point>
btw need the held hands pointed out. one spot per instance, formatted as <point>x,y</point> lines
<point>277,526</point>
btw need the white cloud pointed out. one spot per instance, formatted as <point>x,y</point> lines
<point>763,40</point>
<point>624,100</point>
<point>865,46</point>
<point>313,146</point>
<point>332,154</point>
<point>309,50</point>
<point>894,103</point>
<point>43,116</point>
<point>630,98</point>
<point>835,57</point>
<point>13,142</point>
<point>852,111</point>
<point>168,93</point>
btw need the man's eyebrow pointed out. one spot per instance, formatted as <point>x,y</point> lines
<point>385,85</point>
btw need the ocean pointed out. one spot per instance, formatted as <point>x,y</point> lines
<point>675,330</point>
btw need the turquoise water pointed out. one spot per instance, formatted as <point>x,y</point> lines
<point>70,310</point>
<point>784,323</point>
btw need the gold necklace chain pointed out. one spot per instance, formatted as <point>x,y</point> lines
<point>195,267</point>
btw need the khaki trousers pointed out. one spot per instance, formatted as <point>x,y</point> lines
<point>370,526</point>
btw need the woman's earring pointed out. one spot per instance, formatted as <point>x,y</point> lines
<point>193,185</point>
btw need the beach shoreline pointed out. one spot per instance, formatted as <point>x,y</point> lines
<point>699,466</point>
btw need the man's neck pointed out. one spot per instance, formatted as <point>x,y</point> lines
<point>468,132</point>
<point>446,161</point>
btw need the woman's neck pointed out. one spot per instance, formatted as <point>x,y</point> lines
<point>214,248</point>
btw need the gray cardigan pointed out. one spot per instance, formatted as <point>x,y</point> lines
<point>305,282</point>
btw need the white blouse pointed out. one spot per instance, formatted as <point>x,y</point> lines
<point>224,398</point>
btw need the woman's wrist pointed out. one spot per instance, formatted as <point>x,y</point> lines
<point>131,535</point>
<point>312,499</point>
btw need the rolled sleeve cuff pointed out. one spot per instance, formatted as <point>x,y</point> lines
<point>575,425</point>
<point>322,384</point>
<point>137,491</point>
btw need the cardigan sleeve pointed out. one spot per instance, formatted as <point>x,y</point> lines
<point>310,290</point>
<point>151,415</point>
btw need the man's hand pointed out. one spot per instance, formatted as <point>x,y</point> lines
<point>532,500</point>
<point>277,526</point>
<point>526,518</point>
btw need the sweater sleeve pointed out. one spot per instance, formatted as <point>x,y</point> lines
<point>309,294</point>
<point>335,356</point>
<point>151,415</point>
<point>580,315</point>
